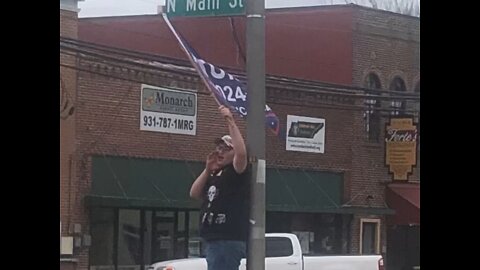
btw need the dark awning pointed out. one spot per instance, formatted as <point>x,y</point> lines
<point>310,191</point>
<point>303,191</point>
<point>139,182</point>
<point>405,200</point>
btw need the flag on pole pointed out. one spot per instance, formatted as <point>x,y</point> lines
<point>226,89</point>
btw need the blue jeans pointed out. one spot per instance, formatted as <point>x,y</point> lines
<point>224,254</point>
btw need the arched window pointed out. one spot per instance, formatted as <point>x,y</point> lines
<point>398,106</point>
<point>417,107</point>
<point>417,120</point>
<point>372,115</point>
<point>417,104</point>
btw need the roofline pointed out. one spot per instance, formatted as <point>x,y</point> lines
<point>270,10</point>
<point>384,11</point>
<point>118,17</point>
<point>345,6</point>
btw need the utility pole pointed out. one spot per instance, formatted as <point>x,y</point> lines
<point>255,32</point>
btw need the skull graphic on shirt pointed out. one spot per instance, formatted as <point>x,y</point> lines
<point>212,193</point>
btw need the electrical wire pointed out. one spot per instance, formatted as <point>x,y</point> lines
<point>276,101</point>
<point>309,83</point>
<point>279,82</point>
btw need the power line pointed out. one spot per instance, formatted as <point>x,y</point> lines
<point>121,51</point>
<point>288,102</point>
<point>270,100</point>
<point>311,84</point>
<point>237,42</point>
<point>283,84</point>
<point>279,82</point>
<point>123,78</point>
<point>99,55</point>
<point>92,52</point>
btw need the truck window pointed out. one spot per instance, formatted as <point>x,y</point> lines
<point>278,247</point>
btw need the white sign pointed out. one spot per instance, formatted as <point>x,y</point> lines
<point>169,111</point>
<point>305,134</point>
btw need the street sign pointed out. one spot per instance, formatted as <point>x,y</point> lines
<point>205,7</point>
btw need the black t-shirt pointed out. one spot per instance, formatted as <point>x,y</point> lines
<point>225,209</point>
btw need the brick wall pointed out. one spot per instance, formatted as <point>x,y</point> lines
<point>325,57</point>
<point>67,122</point>
<point>71,211</point>
<point>108,114</point>
<point>355,232</point>
<point>387,44</point>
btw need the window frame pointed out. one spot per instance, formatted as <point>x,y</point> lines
<point>377,221</point>
<point>373,134</point>
<point>402,108</point>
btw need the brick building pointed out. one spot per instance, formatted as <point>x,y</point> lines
<point>68,89</point>
<point>124,190</point>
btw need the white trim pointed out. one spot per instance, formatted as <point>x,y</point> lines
<point>68,260</point>
<point>377,228</point>
<point>69,7</point>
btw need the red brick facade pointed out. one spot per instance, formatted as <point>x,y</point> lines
<point>388,45</point>
<point>68,89</point>
<point>285,54</point>
<point>349,42</point>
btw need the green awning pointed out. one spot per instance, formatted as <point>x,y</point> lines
<point>137,182</point>
<point>310,191</point>
<point>303,191</point>
<point>157,183</point>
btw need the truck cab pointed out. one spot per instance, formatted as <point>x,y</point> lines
<point>283,252</point>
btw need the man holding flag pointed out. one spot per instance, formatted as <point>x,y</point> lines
<point>223,186</point>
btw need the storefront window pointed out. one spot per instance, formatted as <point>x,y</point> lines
<point>148,237</point>
<point>180,237</point>
<point>129,239</point>
<point>278,222</point>
<point>163,233</point>
<point>133,238</point>
<point>328,234</point>
<point>194,242</point>
<point>102,231</point>
<point>317,233</point>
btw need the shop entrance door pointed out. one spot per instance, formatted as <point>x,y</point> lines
<point>163,235</point>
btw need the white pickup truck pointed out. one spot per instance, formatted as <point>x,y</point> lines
<point>283,252</point>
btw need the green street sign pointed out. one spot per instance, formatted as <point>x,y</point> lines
<point>205,7</point>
